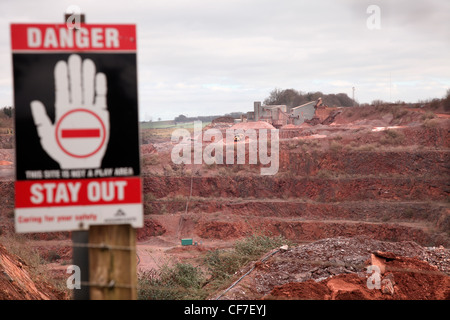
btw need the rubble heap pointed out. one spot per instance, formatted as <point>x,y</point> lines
<point>350,268</point>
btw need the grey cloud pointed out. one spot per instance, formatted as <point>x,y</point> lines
<point>212,57</point>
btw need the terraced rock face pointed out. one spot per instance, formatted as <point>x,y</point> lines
<point>385,183</point>
<point>342,179</point>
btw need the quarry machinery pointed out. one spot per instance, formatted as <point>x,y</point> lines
<point>278,115</point>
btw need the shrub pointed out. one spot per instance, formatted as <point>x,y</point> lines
<point>447,101</point>
<point>428,115</point>
<point>408,213</point>
<point>398,112</point>
<point>223,171</point>
<point>392,137</point>
<point>8,111</point>
<point>184,275</point>
<point>348,114</point>
<point>435,103</point>
<point>430,123</point>
<point>255,245</point>
<point>223,264</point>
<point>364,147</point>
<point>335,146</point>
<point>178,282</point>
<point>378,103</point>
<point>324,174</point>
<point>53,256</point>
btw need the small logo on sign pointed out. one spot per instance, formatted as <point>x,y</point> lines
<point>119,213</point>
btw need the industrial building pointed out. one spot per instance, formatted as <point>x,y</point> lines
<point>280,115</point>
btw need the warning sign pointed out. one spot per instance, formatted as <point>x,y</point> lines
<point>77,134</point>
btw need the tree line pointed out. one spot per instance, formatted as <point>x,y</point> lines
<point>8,111</point>
<point>293,98</point>
<point>183,118</point>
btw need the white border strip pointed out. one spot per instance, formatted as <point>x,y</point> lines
<point>72,218</point>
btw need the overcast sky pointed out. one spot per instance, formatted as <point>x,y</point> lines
<point>210,57</point>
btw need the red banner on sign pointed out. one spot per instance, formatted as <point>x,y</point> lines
<point>62,37</point>
<point>77,192</point>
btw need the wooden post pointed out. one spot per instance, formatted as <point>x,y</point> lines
<point>80,258</point>
<point>112,262</point>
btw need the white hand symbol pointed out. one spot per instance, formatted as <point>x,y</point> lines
<point>80,134</point>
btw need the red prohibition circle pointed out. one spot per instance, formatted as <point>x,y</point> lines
<point>83,155</point>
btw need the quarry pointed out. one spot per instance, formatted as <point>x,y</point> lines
<point>355,187</point>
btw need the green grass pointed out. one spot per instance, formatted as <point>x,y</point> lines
<point>223,264</point>
<point>183,281</point>
<point>36,264</point>
<point>162,130</point>
<point>170,124</point>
